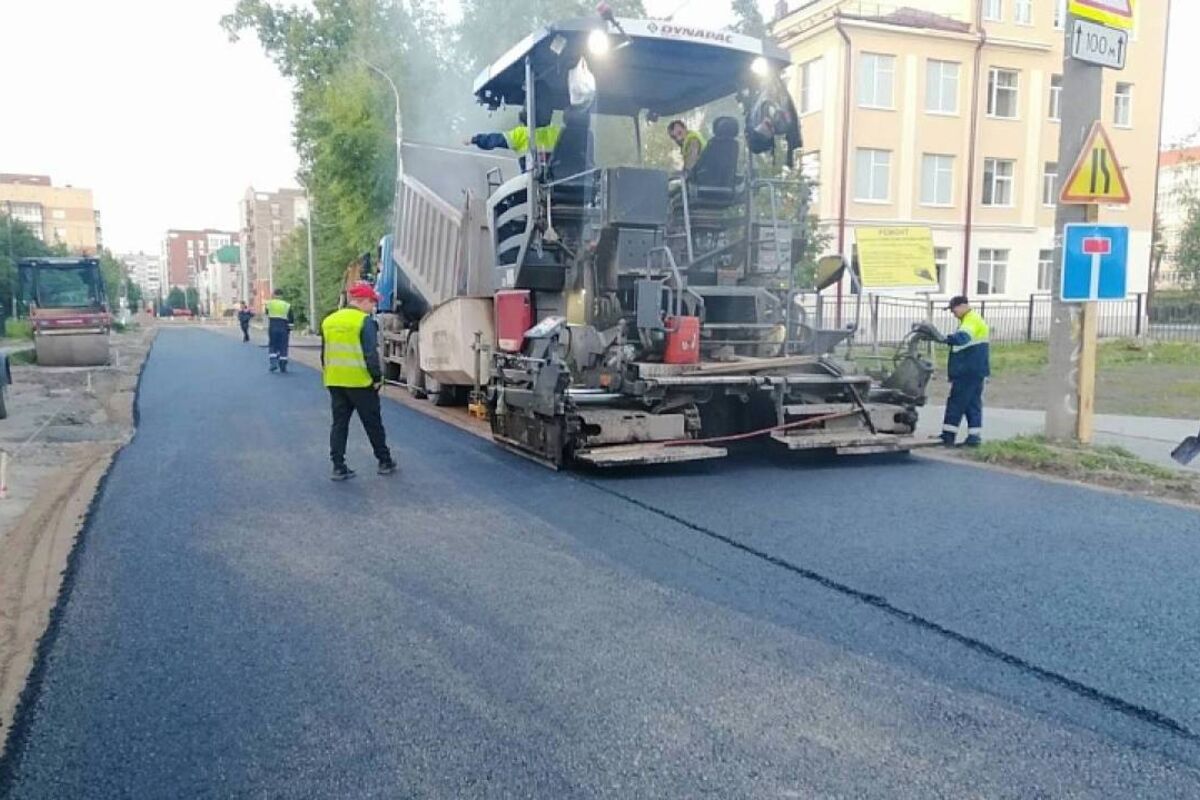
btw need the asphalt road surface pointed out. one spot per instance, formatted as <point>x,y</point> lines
<point>236,625</point>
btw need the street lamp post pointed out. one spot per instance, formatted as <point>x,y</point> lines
<point>399,141</point>
<point>312,277</point>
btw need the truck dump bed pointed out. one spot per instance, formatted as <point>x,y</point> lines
<point>442,248</point>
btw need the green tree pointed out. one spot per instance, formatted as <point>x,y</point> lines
<point>1187,250</point>
<point>176,298</point>
<point>115,273</point>
<point>291,272</point>
<point>136,297</point>
<point>16,242</point>
<point>343,127</point>
<point>750,19</point>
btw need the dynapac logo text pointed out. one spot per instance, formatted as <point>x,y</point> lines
<point>680,31</point>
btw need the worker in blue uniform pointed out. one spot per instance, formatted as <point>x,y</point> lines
<point>968,370</point>
<point>280,319</point>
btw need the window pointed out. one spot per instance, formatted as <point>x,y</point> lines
<point>812,86</point>
<point>937,180</point>
<point>941,263</point>
<point>1050,183</point>
<point>993,10</point>
<point>872,176</point>
<point>1060,13</point>
<point>875,80</point>
<point>993,270</point>
<point>941,87</point>
<point>1123,106</point>
<point>998,181</point>
<point>1002,93</point>
<point>1045,269</point>
<point>1023,12</point>
<point>274,209</point>
<point>1055,98</point>
<point>58,213</point>
<point>810,166</point>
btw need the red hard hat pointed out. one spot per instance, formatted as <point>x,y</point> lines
<point>364,291</point>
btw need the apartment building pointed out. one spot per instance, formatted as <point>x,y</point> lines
<point>267,218</point>
<point>945,113</point>
<point>145,270</point>
<point>56,214</point>
<point>185,255</point>
<point>1178,184</point>
<point>220,282</point>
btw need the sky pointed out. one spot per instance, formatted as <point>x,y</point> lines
<point>148,103</point>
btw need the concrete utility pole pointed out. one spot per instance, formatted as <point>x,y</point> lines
<point>1080,107</point>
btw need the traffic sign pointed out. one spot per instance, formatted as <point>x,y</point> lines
<point>1095,263</point>
<point>1099,44</point>
<point>1114,13</point>
<point>1097,176</point>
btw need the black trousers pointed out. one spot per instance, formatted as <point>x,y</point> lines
<point>366,402</point>
<point>245,330</point>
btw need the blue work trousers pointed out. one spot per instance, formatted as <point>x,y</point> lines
<point>966,400</point>
<point>277,342</point>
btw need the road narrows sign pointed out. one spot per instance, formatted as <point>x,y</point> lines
<point>1097,176</point>
<point>1114,13</point>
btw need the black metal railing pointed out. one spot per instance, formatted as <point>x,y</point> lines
<point>885,320</point>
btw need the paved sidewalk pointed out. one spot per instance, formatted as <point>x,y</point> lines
<point>1151,438</point>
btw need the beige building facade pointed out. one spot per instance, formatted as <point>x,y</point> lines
<point>944,113</point>
<point>57,214</point>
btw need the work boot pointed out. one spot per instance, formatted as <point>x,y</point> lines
<point>283,365</point>
<point>273,364</point>
<point>387,467</point>
<point>974,441</point>
<point>948,439</point>
<point>341,473</point>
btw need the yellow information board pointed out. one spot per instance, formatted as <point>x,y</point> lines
<point>896,258</point>
<point>1113,13</point>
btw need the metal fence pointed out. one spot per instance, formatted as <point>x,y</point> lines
<point>884,320</point>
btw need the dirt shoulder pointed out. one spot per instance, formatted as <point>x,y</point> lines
<point>1096,465</point>
<point>64,427</point>
<point>1135,378</point>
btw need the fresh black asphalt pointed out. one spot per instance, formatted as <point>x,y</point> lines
<point>236,625</point>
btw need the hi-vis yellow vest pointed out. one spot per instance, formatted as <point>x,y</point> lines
<point>278,309</point>
<point>345,364</point>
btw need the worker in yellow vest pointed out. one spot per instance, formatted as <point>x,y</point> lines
<point>545,137</point>
<point>353,376</point>
<point>691,143</point>
<point>279,325</point>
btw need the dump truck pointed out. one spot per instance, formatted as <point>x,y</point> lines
<point>65,301</point>
<point>617,312</point>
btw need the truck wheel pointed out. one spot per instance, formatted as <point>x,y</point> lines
<point>414,379</point>
<point>438,394</point>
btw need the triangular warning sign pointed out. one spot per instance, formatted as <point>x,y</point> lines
<point>1114,13</point>
<point>1097,176</point>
